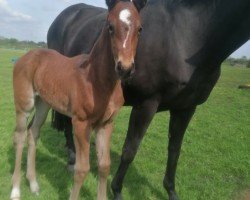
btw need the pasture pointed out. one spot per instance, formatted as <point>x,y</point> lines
<point>214,162</point>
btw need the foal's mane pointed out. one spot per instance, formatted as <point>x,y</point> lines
<point>113,3</point>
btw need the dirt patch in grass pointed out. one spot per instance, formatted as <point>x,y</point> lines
<point>244,195</point>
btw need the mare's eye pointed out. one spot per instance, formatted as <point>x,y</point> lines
<point>139,30</point>
<point>111,29</point>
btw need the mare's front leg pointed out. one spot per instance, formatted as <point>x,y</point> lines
<point>140,119</point>
<point>82,130</point>
<point>179,120</point>
<point>103,138</point>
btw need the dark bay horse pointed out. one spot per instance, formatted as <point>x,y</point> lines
<point>177,64</point>
<point>86,88</point>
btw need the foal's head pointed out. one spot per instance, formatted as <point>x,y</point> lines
<point>124,25</point>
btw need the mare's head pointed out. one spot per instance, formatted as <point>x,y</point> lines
<point>124,25</point>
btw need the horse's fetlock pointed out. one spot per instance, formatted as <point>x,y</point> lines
<point>168,185</point>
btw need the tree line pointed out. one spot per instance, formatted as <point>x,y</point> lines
<point>13,43</point>
<point>241,62</point>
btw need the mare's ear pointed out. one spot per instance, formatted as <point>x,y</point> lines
<point>139,4</point>
<point>111,3</point>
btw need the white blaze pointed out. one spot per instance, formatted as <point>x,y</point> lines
<point>126,39</point>
<point>125,18</point>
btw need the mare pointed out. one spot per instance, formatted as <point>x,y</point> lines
<point>86,88</point>
<point>177,65</point>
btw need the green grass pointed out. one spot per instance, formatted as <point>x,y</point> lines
<point>214,162</point>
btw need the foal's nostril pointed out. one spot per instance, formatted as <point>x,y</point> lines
<point>119,66</point>
<point>132,69</point>
<point>123,72</point>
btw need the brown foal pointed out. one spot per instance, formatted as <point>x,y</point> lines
<point>86,88</point>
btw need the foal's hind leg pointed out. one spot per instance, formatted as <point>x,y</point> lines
<point>19,139</point>
<point>24,103</point>
<point>103,138</point>
<point>33,134</point>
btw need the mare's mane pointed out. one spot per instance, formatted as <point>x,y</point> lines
<point>189,3</point>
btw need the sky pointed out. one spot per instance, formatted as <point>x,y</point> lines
<point>30,19</point>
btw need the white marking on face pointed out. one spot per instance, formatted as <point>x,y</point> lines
<point>124,16</point>
<point>126,39</point>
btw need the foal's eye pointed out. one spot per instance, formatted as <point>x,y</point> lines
<point>111,29</point>
<point>139,30</point>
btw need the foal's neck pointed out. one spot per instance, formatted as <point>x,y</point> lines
<point>101,60</point>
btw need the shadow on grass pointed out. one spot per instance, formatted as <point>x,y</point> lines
<point>52,166</point>
<point>49,167</point>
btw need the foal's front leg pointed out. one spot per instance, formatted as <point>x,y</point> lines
<point>82,131</point>
<point>103,138</point>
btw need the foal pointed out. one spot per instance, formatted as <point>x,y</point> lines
<point>86,88</point>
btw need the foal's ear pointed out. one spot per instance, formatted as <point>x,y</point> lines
<point>139,4</point>
<point>111,3</point>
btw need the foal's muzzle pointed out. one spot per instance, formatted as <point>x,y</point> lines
<point>125,72</point>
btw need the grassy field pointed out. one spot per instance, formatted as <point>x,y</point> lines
<point>214,163</point>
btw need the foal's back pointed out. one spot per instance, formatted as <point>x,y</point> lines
<point>50,75</point>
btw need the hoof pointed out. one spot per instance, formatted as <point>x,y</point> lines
<point>173,196</point>
<point>71,168</point>
<point>118,196</point>
<point>15,194</point>
<point>71,157</point>
<point>34,188</point>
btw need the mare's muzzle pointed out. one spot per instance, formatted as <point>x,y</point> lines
<point>125,72</point>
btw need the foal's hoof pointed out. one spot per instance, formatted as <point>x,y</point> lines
<point>15,194</point>
<point>117,196</point>
<point>34,188</point>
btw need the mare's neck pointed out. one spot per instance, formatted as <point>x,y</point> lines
<point>210,30</point>
<point>101,60</point>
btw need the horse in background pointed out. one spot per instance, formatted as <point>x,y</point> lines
<point>86,88</point>
<point>177,65</point>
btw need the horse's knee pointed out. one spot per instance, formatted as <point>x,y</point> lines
<point>104,168</point>
<point>128,154</point>
<point>81,173</point>
<point>19,138</point>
